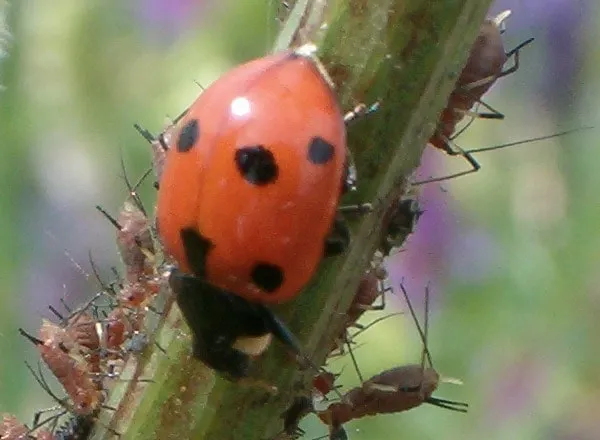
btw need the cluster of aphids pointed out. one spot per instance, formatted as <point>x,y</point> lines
<point>86,348</point>
<point>249,182</point>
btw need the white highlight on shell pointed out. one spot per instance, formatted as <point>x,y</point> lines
<point>240,106</point>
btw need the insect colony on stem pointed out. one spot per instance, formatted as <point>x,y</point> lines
<point>226,263</point>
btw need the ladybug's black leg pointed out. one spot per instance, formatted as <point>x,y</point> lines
<point>338,239</point>
<point>360,111</point>
<point>282,332</point>
<point>338,433</point>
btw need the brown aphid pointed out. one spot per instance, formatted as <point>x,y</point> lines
<point>79,330</point>
<point>80,342</point>
<point>12,429</point>
<point>370,288</point>
<point>73,374</point>
<point>136,247</point>
<point>134,235</point>
<point>484,67</point>
<point>399,221</point>
<point>120,324</point>
<point>134,241</point>
<point>395,390</point>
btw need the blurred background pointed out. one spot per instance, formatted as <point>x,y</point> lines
<point>510,253</point>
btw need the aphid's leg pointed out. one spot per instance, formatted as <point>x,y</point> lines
<point>285,336</point>
<point>515,54</point>
<point>36,416</point>
<point>452,405</point>
<point>364,328</point>
<point>493,114</point>
<point>456,151</point>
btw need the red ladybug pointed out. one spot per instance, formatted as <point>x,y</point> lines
<point>251,185</point>
<point>248,198</point>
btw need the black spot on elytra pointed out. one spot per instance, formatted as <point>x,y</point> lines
<point>320,151</point>
<point>267,276</point>
<point>196,249</point>
<point>257,165</point>
<point>188,136</point>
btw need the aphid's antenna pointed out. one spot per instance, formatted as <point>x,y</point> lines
<point>530,140</point>
<point>201,88</point>
<point>31,338</point>
<point>425,354</point>
<point>133,188</point>
<point>56,313</point>
<point>109,217</point>
<point>65,305</point>
<point>144,133</point>
<point>418,325</point>
<point>103,285</point>
<point>426,330</point>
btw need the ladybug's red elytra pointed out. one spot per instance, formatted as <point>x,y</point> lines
<point>251,185</point>
<point>248,201</point>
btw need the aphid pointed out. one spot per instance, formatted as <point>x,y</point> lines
<point>399,221</point>
<point>77,333</point>
<point>324,382</point>
<point>247,204</point>
<point>73,375</point>
<point>134,236</point>
<point>372,286</point>
<point>484,67</point>
<point>391,391</point>
<point>120,325</point>
<point>12,429</point>
<point>136,247</point>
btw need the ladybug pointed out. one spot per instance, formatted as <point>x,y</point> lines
<point>248,201</point>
